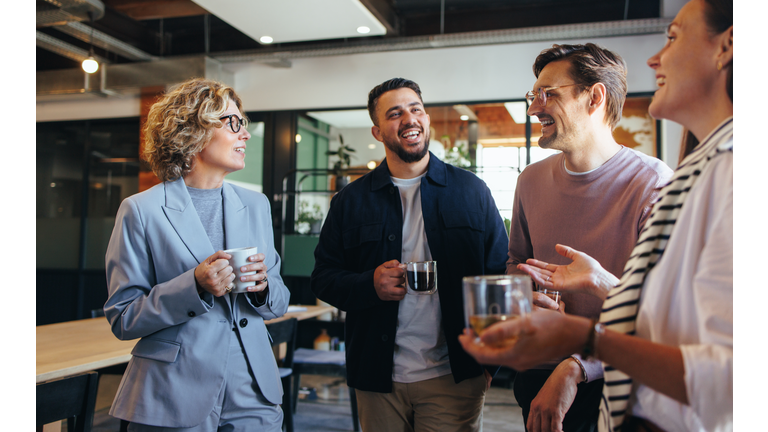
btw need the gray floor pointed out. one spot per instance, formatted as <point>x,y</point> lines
<point>328,409</point>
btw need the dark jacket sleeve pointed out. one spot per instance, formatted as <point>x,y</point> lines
<point>332,280</point>
<point>496,240</point>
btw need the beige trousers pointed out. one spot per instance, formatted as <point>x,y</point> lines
<point>438,405</point>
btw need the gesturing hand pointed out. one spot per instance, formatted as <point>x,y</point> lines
<point>584,274</point>
<point>215,274</point>
<point>388,280</point>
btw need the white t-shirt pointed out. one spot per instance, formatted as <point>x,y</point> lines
<point>420,349</point>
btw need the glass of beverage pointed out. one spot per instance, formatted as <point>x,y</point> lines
<point>421,277</point>
<point>492,299</point>
<point>554,295</point>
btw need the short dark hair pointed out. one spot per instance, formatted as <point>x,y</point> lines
<point>392,84</point>
<point>592,64</point>
<point>718,15</point>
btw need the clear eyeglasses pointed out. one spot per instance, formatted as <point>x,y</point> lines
<point>542,94</point>
<point>235,122</point>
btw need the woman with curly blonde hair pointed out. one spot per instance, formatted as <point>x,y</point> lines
<point>204,360</point>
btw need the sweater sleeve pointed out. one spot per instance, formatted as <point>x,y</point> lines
<point>520,246</point>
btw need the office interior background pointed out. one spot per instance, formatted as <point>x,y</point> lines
<point>302,92</point>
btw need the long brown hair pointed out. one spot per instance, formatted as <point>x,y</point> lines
<point>718,15</point>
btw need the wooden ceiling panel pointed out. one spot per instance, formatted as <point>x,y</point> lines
<point>156,9</point>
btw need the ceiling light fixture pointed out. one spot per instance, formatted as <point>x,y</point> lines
<point>90,65</point>
<point>298,138</point>
<point>464,118</point>
<point>266,39</point>
<point>371,146</point>
<point>363,30</point>
<point>371,165</point>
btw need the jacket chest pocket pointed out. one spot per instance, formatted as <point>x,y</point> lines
<point>463,220</point>
<point>358,236</point>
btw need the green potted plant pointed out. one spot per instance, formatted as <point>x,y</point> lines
<point>340,166</point>
<point>309,220</point>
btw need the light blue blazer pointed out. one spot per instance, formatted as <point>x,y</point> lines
<point>178,366</point>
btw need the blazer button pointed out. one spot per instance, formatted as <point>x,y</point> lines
<point>391,237</point>
<point>191,314</point>
<point>384,338</point>
<point>243,322</point>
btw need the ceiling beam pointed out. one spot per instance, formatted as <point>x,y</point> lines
<point>383,11</point>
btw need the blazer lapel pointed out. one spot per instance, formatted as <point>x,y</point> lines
<point>184,219</point>
<point>237,229</point>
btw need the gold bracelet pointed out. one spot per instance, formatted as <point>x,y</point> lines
<point>596,329</point>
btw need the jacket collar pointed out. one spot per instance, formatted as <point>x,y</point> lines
<point>183,216</point>
<point>436,173</point>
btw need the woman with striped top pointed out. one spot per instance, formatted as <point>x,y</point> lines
<point>665,335</point>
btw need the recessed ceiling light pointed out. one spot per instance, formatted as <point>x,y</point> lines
<point>464,117</point>
<point>371,146</point>
<point>363,30</point>
<point>266,39</point>
<point>298,138</point>
<point>371,165</point>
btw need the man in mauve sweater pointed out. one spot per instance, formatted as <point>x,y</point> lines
<point>594,196</point>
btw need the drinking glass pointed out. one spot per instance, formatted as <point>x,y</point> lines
<point>492,299</point>
<point>554,295</point>
<point>421,277</point>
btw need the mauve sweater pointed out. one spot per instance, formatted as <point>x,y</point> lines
<point>599,213</point>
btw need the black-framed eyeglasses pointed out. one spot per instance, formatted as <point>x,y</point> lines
<point>235,122</point>
<point>542,94</point>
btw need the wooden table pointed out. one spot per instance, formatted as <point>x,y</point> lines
<point>69,348</point>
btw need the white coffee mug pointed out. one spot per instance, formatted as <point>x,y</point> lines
<point>239,259</point>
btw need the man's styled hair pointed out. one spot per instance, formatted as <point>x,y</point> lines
<point>392,84</point>
<point>591,64</point>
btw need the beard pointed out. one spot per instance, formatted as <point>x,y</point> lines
<point>548,142</point>
<point>403,153</point>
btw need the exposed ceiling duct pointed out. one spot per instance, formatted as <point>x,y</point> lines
<point>59,12</point>
<point>115,79</point>
<point>151,70</point>
<point>64,49</point>
<point>104,41</point>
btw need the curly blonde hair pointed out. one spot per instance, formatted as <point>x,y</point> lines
<point>182,123</point>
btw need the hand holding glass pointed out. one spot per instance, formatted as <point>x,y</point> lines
<point>492,299</point>
<point>554,295</point>
<point>421,277</point>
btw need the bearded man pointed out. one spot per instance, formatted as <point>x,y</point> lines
<point>403,355</point>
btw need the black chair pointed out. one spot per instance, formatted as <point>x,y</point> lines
<point>328,363</point>
<point>285,332</point>
<point>72,398</point>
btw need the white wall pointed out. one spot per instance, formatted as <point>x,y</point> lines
<point>81,107</point>
<point>481,73</point>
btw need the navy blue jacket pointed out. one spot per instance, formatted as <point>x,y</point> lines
<point>364,229</point>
